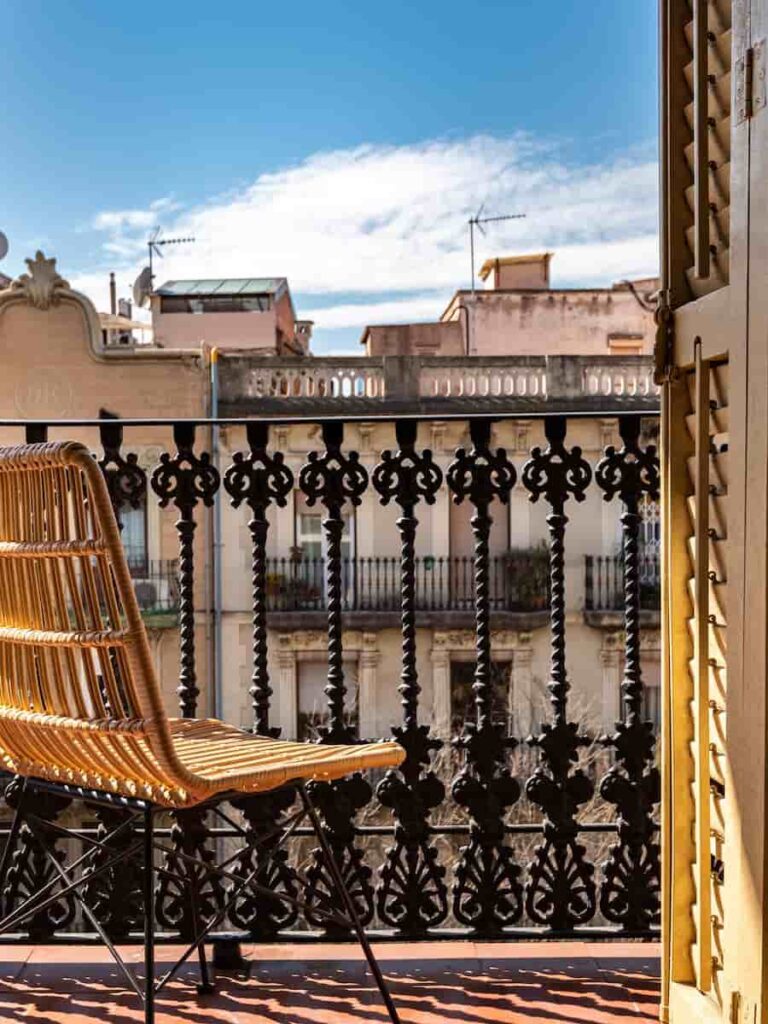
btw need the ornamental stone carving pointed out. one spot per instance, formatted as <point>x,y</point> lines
<point>43,285</point>
<point>464,640</point>
<point>316,640</point>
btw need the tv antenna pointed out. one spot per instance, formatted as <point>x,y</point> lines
<point>155,247</point>
<point>477,222</point>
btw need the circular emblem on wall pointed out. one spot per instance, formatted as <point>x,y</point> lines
<point>46,395</point>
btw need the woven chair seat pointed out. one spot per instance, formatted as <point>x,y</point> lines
<point>227,758</point>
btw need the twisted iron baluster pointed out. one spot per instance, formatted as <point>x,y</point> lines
<point>630,892</point>
<point>487,894</point>
<point>260,480</point>
<point>186,479</point>
<point>333,479</point>
<point>560,892</point>
<point>412,896</point>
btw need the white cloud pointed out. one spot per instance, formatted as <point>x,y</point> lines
<point>378,220</point>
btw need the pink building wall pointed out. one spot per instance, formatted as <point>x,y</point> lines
<point>226,330</point>
<point>554,322</point>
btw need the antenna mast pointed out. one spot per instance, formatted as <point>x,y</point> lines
<point>154,246</point>
<point>477,222</point>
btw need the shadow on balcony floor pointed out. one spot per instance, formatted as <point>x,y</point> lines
<point>445,983</point>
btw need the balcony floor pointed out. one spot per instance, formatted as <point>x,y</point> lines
<point>433,983</point>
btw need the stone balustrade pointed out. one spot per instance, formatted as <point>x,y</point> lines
<point>436,385</point>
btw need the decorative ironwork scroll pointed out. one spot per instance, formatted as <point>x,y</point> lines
<point>334,479</point>
<point>261,915</point>
<point>560,892</point>
<point>30,870</point>
<point>126,480</point>
<point>487,894</point>
<point>630,892</point>
<point>260,480</point>
<point>412,896</point>
<point>115,895</point>
<point>186,479</point>
<point>186,867</point>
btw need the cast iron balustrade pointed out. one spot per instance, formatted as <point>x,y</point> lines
<point>518,582</point>
<point>604,586</point>
<point>487,836</point>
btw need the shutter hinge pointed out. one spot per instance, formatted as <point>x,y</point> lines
<point>750,95</point>
<point>663,370</point>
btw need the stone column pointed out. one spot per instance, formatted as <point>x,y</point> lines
<point>610,660</point>
<point>441,693</point>
<point>287,687</point>
<point>366,682</point>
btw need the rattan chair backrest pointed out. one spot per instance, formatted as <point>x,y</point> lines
<point>72,641</point>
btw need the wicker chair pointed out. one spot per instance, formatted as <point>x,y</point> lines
<point>81,711</point>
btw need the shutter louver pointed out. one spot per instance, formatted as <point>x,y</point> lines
<point>703,154</point>
<point>707,422</point>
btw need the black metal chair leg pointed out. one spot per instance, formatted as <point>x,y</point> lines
<point>349,904</point>
<point>149,919</point>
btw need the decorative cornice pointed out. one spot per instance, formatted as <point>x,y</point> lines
<point>464,640</point>
<point>317,640</point>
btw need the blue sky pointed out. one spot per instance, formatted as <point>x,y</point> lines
<point>341,144</point>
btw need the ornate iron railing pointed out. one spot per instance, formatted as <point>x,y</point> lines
<point>604,584</point>
<point>518,582</point>
<point>489,839</point>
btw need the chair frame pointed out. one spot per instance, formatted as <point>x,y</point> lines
<point>142,813</point>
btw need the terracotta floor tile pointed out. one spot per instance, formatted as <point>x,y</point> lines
<point>437,983</point>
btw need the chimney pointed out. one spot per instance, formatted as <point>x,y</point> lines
<point>112,293</point>
<point>517,273</point>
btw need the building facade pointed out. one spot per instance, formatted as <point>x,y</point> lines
<point>64,371</point>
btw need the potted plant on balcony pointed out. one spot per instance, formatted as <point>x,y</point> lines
<point>527,573</point>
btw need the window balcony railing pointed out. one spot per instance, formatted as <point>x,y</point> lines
<point>604,582</point>
<point>517,582</point>
<point>156,583</point>
<point>492,835</point>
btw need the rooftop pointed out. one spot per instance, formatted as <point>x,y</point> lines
<point>224,286</point>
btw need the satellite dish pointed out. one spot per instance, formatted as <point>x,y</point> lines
<point>3,245</point>
<point>142,287</point>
